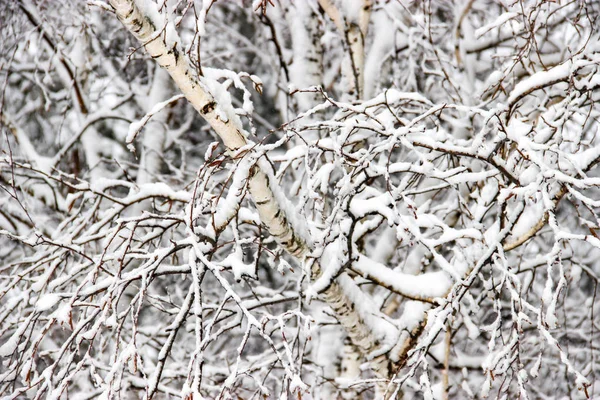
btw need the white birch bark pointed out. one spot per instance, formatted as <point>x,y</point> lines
<point>162,44</point>
<point>352,25</point>
<point>155,132</point>
<point>306,69</point>
<point>69,77</point>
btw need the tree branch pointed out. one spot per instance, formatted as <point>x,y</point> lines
<point>161,41</point>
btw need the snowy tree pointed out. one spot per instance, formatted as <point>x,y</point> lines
<point>299,199</point>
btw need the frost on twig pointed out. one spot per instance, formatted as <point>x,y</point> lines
<point>358,199</point>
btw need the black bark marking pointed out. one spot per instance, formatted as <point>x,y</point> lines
<point>208,108</point>
<point>149,21</point>
<point>137,25</point>
<point>175,53</point>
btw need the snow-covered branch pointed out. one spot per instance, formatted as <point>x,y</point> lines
<point>299,199</point>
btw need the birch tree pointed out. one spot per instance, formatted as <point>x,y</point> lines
<point>299,199</point>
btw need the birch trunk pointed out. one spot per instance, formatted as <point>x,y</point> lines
<point>306,69</point>
<point>70,78</point>
<point>161,42</point>
<point>155,131</point>
<point>353,28</point>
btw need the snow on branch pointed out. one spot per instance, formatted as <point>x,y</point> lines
<point>359,199</point>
